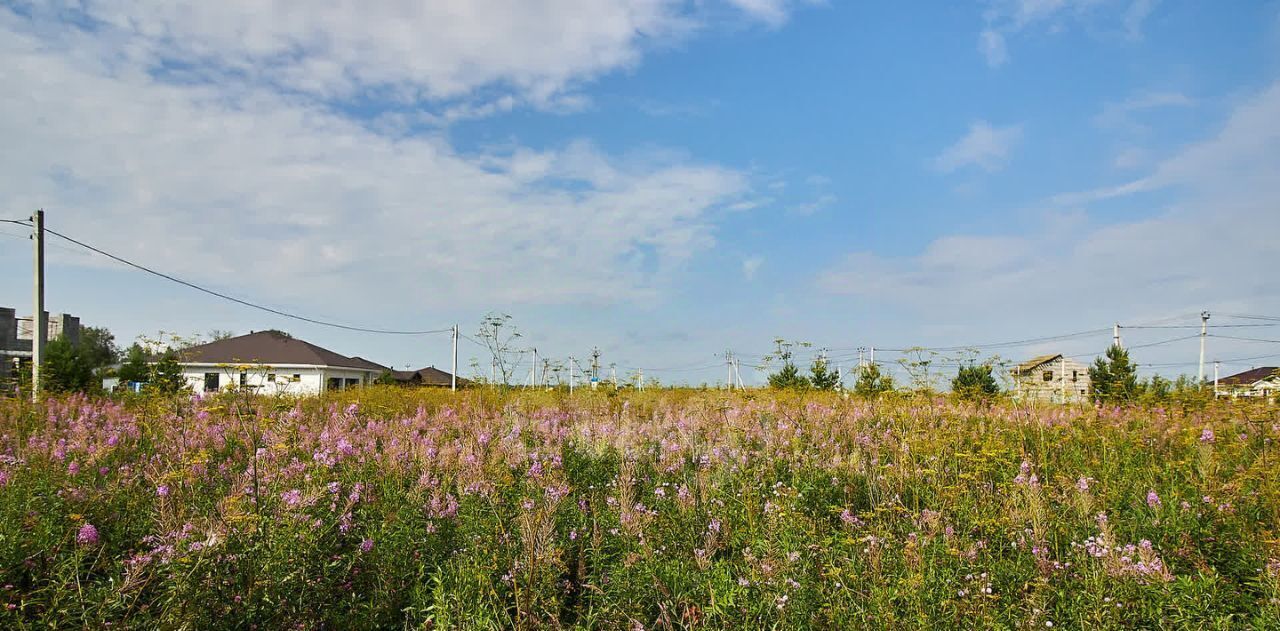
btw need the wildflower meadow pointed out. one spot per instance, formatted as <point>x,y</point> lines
<point>386,508</point>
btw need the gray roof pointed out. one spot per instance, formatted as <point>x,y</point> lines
<point>270,347</point>
<point>1035,361</point>
<point>429,376</point>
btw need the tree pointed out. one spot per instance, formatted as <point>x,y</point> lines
<point>220,334</point>
<point>98,347</point>
<point>66,369</point>
<point>975,382</point>
<point>1113,377</point>
<point>788,376</point>
<point>166,374</point>
<point>822,376</point>
<point>134,369</point>
<point>872,382</point>
<point>386,379</point>
<point>499,336</point>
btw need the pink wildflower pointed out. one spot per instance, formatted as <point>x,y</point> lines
<point>87,536</point>
<point>1153,500</point>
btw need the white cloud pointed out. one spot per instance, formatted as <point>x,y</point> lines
<point>1007,18</point>
<point>266,193</point>
<point>1200,251</point>
<point>984,146</point>
<point>1121,114</point>
<point>750,266</point>
<point>771,12</point>
<point>405,50</point>
<point>993,48</point>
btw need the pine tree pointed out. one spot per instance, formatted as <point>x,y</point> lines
<point>822,377</point>
<point>872,383</point>
<point>788,377</point>
<point>975,382</point>
<point>1114,378</point>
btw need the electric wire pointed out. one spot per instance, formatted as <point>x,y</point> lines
<point>240,301</point>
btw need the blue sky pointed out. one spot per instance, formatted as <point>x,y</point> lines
<point>665,180</point>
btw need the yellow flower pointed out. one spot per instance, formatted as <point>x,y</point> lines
<point>76,516</point>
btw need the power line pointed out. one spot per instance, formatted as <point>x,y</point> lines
<point>1252,317</point>
<point>238,300</point>
<point>1196,326</point>
<point>1245,339</point>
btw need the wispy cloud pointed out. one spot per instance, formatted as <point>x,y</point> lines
<point>406,52</point>
<point>750,266</point>
<point>1223,184</point>
<point>1009,18</point>
<point>984,146</point>
<point>1121,114</point>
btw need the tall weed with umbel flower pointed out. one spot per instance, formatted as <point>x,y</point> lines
<point>385,507</point>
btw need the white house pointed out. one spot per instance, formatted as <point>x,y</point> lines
<point>273,362</point>
<point>1259,382</point>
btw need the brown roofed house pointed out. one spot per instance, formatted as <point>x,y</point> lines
<point>1256,382</point>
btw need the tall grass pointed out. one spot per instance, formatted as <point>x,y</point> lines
<point>386,508</point>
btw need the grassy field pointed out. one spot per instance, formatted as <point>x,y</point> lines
<point>386,508</point>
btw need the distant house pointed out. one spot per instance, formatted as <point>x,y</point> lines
<point>1257,382</point>
<point>429,376</point>
<point>1051,378</point>
<point>273,362</point>
<point>16,336</point>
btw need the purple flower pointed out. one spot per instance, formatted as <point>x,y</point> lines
<point>1082,484</point>
<point>1207,435</point>
<point>87,536</point>
<point>291,498</point>
<point>366,545</point>
<point>162,490</point>
<point>1153,500</point>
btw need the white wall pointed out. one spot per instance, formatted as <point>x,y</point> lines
<point>275,379</point>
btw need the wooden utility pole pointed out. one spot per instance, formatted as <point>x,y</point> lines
<point>453,378</point>
<point>39,326</point>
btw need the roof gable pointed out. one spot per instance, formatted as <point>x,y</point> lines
<point>269,347</point>
<point>1032,363</point>
<point>1250,377</point>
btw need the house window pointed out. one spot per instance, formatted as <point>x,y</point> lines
<point>334,383</point>
<point>271,377</point>
<point>352,383</point>
<point>1048,375</point>
<point>211,382</point>
<point>1075,375</point>
<point>297,377</point>
<point>244,378</point>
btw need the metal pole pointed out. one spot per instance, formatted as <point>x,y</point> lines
<point>1115,335</point>
<point>453,378</point>
<point>641,378</point>
<point>570,375</point>
<point>39,325</point>
<point>728,362</point>
<point>1204,329</point>
<point>1216,365</point>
